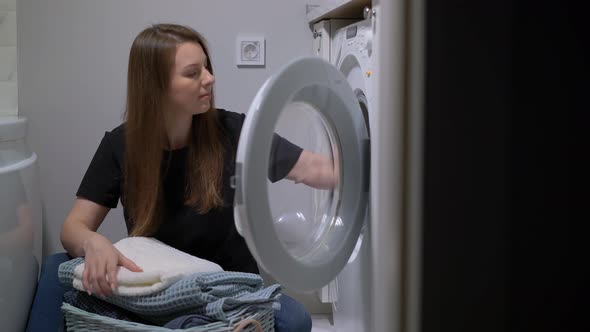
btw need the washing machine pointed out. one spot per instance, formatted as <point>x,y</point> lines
<point>20,224</point>
<point>347,44</point>
<point>308,238</point>
<point>350,52</point>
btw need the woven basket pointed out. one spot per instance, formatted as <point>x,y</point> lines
<point>78,320</point>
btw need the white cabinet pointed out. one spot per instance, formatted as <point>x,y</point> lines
<point>7,5</point>
<point>326,9</point>
<point>8,74</point>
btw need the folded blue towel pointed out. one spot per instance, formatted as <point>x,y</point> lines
<point>223,296</point>
<point>97,306</point>
<point>187,321</point>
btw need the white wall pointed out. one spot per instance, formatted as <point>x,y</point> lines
<point>73,65</point>
<point>72,76</point>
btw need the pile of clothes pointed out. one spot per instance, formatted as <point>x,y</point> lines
<point>175,290</point>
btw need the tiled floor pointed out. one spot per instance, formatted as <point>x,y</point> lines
<point>321,323</point>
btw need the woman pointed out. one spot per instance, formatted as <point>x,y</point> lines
<point>170,165</point>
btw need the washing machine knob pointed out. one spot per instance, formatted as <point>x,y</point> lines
<point>366,12</point>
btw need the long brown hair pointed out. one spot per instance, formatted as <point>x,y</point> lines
<point>151,61</point>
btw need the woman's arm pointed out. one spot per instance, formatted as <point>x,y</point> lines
<point>81,225</point>
<point>315,170</point>
<point>79,238</point>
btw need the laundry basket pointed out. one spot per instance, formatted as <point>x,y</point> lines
<point>78,320</point>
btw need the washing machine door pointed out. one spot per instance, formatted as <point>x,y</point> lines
<point>302,232</point>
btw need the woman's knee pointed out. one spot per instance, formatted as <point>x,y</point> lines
<point>53,261</point>
<point>293,317</point>
<point>51,264</point>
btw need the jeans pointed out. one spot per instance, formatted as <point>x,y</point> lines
<point>293,317</point>
<point>46,312</point>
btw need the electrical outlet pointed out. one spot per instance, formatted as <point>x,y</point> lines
<point>250,50</point>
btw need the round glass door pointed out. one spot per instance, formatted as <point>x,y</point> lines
<point>304,208</point>
<point>302,174</point>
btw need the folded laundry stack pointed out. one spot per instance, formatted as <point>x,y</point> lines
<point>162,265</point>
<point>175,290</point>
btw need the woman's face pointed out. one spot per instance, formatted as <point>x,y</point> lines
<point>191,83</point>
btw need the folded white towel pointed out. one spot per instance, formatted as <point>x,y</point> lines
<point>162,266</point>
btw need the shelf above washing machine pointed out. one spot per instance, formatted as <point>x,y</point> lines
<point>318,10</point>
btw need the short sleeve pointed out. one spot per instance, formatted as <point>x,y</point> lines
<point>102,182</point>
<point>283,156</point>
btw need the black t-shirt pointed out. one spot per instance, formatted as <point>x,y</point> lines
<point>210,236</point>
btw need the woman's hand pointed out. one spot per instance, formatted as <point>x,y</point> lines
<point>316,170</point>
<point>100,265</point>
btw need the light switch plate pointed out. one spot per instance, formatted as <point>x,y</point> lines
<point>250,50</point>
